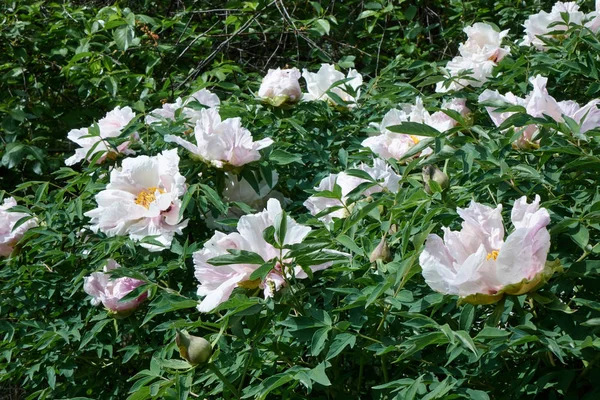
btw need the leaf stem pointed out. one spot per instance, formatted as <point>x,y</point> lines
<point>224,379</point>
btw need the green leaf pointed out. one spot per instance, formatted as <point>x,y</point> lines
<point>415,128</point>
<point>319,340</point>
<point>350,244</point>
<point>340,342</point>
<point>319,375</point>
<point>282,157</point>
<point>322,26</point>
<point>123,37</point>
<point>280,223</point>
<point>237,257</point>
<point>261,272</point>
<point>93,332</point>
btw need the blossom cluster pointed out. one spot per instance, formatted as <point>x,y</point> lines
<point>143,199</point>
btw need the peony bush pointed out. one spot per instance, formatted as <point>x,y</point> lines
<point>253,231</point>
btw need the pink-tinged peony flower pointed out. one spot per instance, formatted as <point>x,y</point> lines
<point>381,172</point>
<point>394,145</point>
<point>168,110</point>
<point>540,103</point>
<point>280,86</point>
<point>479,54</point>
<point>110,126</point>
<point>217,283</point>
<point>109,291</point>
<point>320,82</point>
<point>550,25</point>
<point>498,117</point>
<point>8,235</point>
<point>594,19</point>
<point>476,261</point>
<point>588,116</point>
<point>142,199</point>
<point>222,143</point>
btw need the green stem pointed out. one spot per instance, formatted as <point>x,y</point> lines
<point>224,379</point>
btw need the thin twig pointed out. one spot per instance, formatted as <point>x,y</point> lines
<point>212,55</point>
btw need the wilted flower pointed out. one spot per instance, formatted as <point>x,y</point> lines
<point>394,145</point>
<point>381,252</point>
<point>168,110</point>
<point>196,350</point>
<point>142,200</point>
<point>477,262</point>
<point>479,55</point>
<point>381,172</point>
<point>222,143</point>
<point>217,282</point>
<point>281,86</point>
<point>109,291</point>
<point>9,236</point>
<point>320,82</point>
<point>540,103</point>
<point>110,126</point>
<point>550,24</point>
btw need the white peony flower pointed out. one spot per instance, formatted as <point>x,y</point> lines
<point>280,86</point>
<point>320,82</point>
<point>594,19</point>
<point>394,145</point>
<point>525,140</point>
<point>484,43</point>
<point>222,143</point>
<point>480,72</point>
<point>142,199</point>
<point>479,54</point>
<point>9,236</point>
<point>380,171</point>
<point>477,261</point>
<point>588,116</point>
<point>540,103</point>
<point>110,126</point>
<point>217,283</point>
<point>168,110</point>
<point>539,24</point>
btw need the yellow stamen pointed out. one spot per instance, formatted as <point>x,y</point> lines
<point>415,139</point>
<point>249,284</point>
<point>493,254</point>
<point>147,196</point>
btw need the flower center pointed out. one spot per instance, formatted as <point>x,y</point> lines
<point>492,255</point>
<point>415,139</point>
<point>249,284</point>
<point>147,196</point>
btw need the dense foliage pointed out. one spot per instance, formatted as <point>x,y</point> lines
<point>369,325</point>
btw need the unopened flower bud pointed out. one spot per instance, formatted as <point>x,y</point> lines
<point>433,173</point>
<point>381,252</point>
<point>196,350</point>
